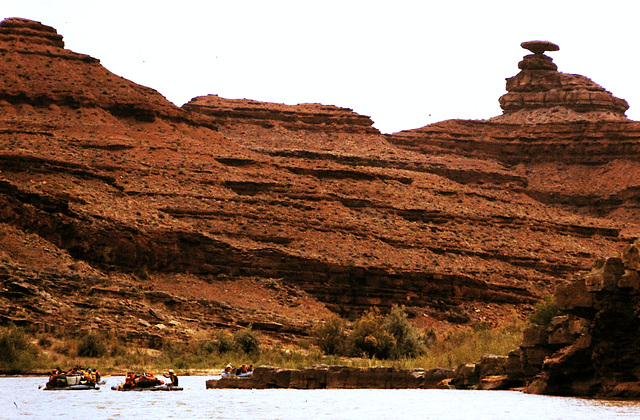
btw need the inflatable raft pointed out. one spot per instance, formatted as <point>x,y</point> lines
<point>70,383</point>
<point>72,387</point>
<point>148,388</point>
<point>233,375</point>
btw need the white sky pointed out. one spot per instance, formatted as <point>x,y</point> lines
<point>404,63</point>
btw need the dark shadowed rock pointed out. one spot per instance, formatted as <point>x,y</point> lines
<point>591,351</point>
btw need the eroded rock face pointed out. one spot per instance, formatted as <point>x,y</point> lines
<point>28,32</point>
<point>593,349</point>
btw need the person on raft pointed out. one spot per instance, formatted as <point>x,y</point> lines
<point>129,381</point>
<point>173,378</point>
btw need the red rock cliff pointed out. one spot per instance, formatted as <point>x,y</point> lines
<point>108,190</point>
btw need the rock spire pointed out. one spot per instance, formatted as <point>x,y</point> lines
<point>540,93</point>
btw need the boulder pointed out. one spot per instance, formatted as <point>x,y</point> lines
<point>494,382</point>
<point>631,256</point>
<point>605,274</point>
<point>492,365</point>
<point>630,280</point>
<point>535,335</point>
<point>466,376</point>
<point>573,294</point>
<point>513,366</point>
<point>539,47</point>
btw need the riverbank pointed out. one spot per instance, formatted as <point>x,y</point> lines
<point>40,353</point>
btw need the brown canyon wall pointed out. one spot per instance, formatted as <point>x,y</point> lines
<point>312,195</point>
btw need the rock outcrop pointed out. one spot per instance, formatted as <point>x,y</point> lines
<point>593,349</point>
<point>337,377</point>
<point>542,94</point>
<point>489,373</point>
<point>304,117</point>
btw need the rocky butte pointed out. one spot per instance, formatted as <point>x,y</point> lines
<point>124,213</point>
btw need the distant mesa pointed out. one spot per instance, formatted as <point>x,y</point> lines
<point>542,94</point>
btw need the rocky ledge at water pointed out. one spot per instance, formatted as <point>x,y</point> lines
<point>594,348</point>
<point>336,377</point>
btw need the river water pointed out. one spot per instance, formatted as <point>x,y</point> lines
<point>21,398</point>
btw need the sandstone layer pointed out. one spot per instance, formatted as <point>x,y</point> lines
<point>122,212</point>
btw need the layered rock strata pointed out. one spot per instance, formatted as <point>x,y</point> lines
<point>281,213</point>
<point>306,117</point>
<point>489,373</point>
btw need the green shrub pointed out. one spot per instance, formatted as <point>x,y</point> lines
<point>332,336</point>
<point>408,342</point>
<point>118,348</point>
<point>224,342</point>
<point>247,341</point>
<point>221,343</point>
<point>142,272</point>
<point>17,354</point>
<point>370,337</point>
<point>374,335</point>
<point>468,345</point>
<point>545,311</point>
<point>91,345</point>
<point>65,347</point>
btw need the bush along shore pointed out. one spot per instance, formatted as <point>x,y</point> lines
<point>373,340</point>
